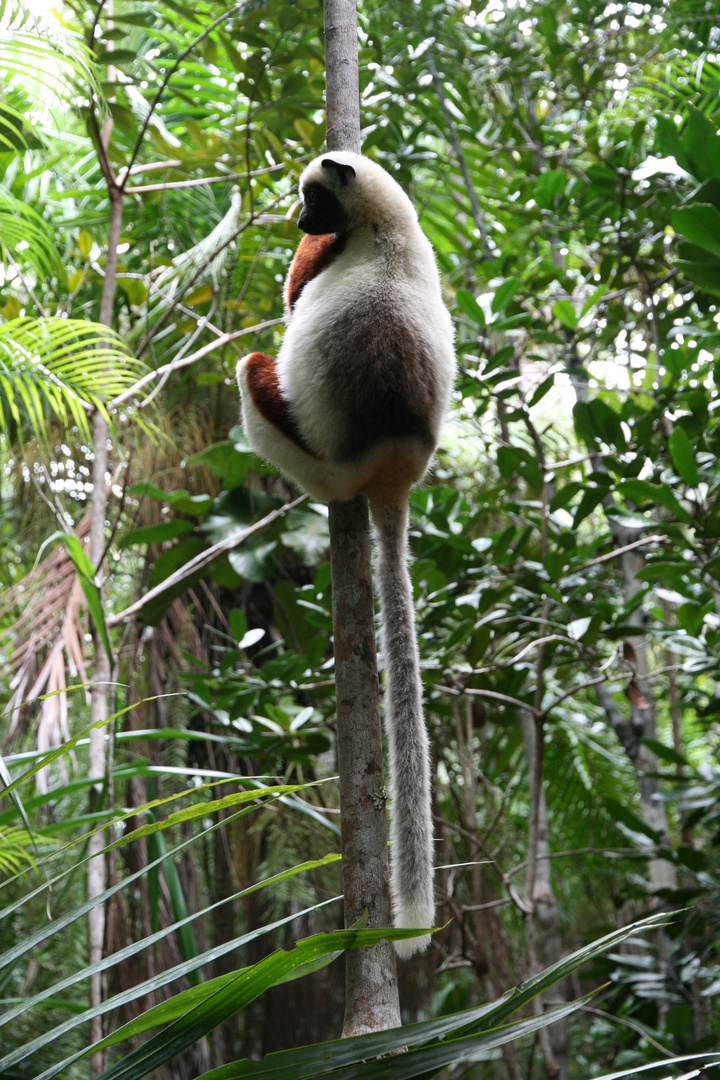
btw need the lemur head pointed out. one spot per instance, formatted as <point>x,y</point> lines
<point>343,191</point>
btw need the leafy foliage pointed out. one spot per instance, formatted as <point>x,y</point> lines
<point>564,161</point>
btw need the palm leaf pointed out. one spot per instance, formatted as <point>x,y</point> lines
<point>60,367</point>
<point>44,56</point>
<point>27,238</point>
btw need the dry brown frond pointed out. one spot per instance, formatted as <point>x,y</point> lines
<point>46,642</point>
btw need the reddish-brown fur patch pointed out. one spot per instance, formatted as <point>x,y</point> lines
<point>313,255</point>
<point>262,382</point>
<point>391,481</point>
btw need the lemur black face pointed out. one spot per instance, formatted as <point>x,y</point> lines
<point>322,212</point>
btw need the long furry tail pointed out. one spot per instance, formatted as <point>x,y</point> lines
<point>411,854</point>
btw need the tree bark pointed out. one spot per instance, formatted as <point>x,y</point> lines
<point>371,992</point>
<point>97,758</point>
<point>641,721</point>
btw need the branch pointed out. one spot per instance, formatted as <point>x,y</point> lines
<point>491,694</point>
<point>202,560</point>
<point>168,76</point>
<point>186,361</point>
<point>656,538</point>
<point>200,181</point>
<point>24,283</point>
<point>457,147</point>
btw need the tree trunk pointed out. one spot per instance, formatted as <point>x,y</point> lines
<point>101,677</point>
<point>371,992</point>
<point>641,721</point>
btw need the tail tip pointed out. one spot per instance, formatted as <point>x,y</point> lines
<point>410,946</point>
<point>411,916</point>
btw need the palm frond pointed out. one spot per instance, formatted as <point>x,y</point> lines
<point>45,56</point>
<point>65,367</point>
<point>15,844</point>
<point>26,237</point>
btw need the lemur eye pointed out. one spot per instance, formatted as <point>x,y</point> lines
<point>312,196</point>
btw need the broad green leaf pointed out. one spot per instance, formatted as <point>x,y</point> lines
<point>504,294</point>
<point>564,311</point>
<point>642,491</point>
<point>690,617</point>
<point>85,243</point>
<point>665,753</point>
<point>700,223</point>
<point>670,144</point>
<point>702,144</point>
<point>470,307</point>
<point>624,816</point>
<point>157,534</point>
<point>592,300</point>
<point>683,457</point>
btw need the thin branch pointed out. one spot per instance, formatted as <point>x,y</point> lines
<point>103,159</point>
<point>655,538</point>
<point>202,560</point>
<point>251,220</point>
<point>492,694</point>
<point>28,288</point>
<point>186,361</point>
<point>628,1024</point>
<point>562,638</point>
<point>575,690</point>
<point>95,23</point>
<point>459,154</point>
<point>166,79</point>
<point>201,181</point>
<point>149,166</point>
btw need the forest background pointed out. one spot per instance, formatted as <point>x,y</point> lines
<point>565,162</point>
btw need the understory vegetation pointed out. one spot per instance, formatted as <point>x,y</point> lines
<point>169,822</point>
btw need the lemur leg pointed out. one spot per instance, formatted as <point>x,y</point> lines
<point>273,433</point>
<point>260,390</point>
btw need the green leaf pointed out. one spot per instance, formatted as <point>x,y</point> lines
<point>683,458</point>
<point>504,294</point>
<point>665,753</point>
<point>27,237</point>
<point>700,223</point>
<point>86,577</point>
<point>157,534</point>
<point>630,819</point>
<point>667,135</point>
<point>470,307</point>
<point>427,1047</point>
<point>61,368</point>
<point>702,144</point>
<point>641,491</point>
<point>545,386</point>
<point>85,243</point>
<point>592,300</point>
<point>549,187</point>
<point>564,311</point>
<point>690,617</point>
<point>238,624</point>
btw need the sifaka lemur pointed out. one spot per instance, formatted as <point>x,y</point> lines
<point>354,403</point>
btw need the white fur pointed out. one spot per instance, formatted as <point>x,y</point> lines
<point>399,256</point>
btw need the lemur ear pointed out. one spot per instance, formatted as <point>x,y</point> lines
<point>344,172</point>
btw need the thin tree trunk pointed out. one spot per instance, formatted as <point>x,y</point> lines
<point>371,992</point>
<point>641,721</point>
<point>101,677</point>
